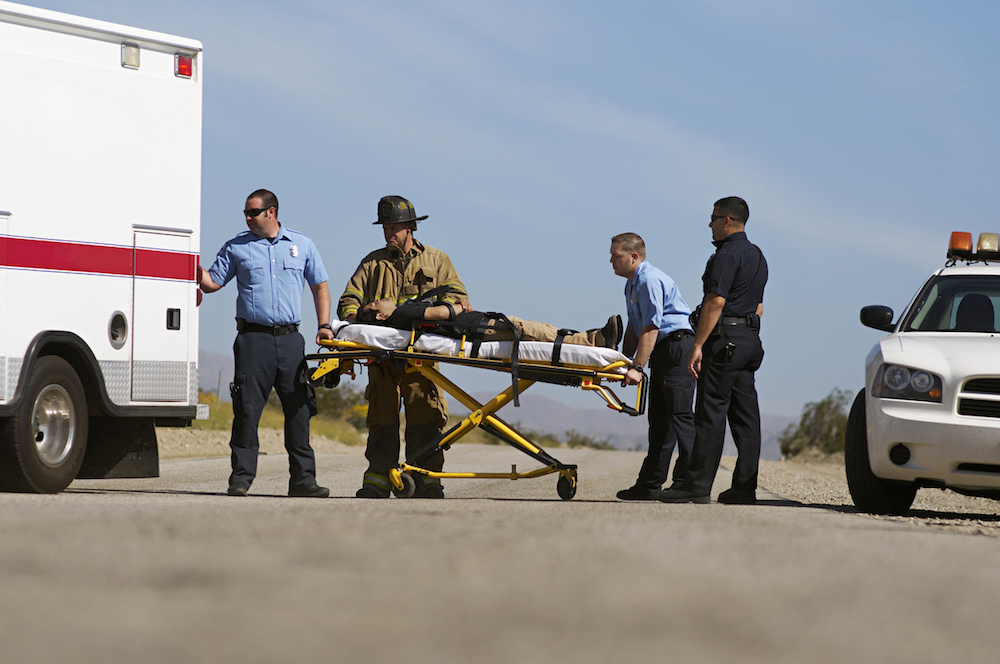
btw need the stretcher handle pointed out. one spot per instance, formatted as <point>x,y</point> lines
<point>640,399</point>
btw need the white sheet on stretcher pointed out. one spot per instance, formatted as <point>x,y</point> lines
<point>387,338</point>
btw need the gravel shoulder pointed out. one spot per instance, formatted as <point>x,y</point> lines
<point>821,481</point>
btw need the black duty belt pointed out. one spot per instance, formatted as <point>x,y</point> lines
<point>750,320</point>
<point>273,330</point>
<point>676,335</point>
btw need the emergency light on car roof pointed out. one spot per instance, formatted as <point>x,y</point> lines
<point>960,247</point>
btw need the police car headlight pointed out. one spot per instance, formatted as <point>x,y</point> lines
<point>896,378</point>
<point>897,382</point>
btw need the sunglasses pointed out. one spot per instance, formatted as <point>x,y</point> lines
<point>719,216</point>
<point>253,212</point>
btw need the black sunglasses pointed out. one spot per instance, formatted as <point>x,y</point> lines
<point>253,212</point>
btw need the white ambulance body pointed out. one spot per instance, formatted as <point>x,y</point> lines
<point>100,197</point>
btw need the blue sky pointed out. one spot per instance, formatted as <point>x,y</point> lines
<point>860,133</point>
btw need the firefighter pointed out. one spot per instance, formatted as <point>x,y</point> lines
<point>404,269</point>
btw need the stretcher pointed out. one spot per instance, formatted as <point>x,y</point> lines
<point>591,369</point>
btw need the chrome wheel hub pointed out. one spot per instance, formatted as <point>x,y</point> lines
<point>53,423</point>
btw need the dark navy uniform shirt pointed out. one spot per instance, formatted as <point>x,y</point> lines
<point>731,269</point>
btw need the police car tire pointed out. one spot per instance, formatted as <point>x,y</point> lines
<point>23,466</point>
<point>870,493</point>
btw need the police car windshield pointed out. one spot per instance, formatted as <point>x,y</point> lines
<point>956,304</point>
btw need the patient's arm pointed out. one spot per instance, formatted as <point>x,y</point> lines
<point>439,312</point>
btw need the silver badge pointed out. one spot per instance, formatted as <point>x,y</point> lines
<point>295,251</point>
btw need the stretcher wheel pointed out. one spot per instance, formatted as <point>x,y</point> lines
<point>565,488</point>
<point>409,487</point>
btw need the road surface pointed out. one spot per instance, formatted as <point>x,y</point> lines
<point>172,570</point>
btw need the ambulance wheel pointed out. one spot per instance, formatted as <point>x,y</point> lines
<point>409,487</point>
<point>565,488</point>
<point>45,440</point>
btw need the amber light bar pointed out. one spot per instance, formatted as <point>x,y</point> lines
<point>960,245</point>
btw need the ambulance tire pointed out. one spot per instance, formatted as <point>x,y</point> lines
<point>43,444</point>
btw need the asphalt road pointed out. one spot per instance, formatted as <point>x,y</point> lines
<point>173,570</point>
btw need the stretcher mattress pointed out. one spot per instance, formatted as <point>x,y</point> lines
<point>387,338</point>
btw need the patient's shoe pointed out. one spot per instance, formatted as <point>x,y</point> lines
<point>613,332</point>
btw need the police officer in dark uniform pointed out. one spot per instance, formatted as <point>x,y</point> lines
<point>727,351</point>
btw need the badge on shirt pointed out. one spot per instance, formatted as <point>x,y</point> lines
<point>295,251</point>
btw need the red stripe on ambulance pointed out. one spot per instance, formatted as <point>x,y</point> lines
<point>35,254</point>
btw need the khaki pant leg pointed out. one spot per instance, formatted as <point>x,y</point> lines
<point>535,331</point>
<point>424,403</point>
<point>426,416</point>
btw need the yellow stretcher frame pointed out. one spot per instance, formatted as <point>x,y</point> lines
<point>341,355</point>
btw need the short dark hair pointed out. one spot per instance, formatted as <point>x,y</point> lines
<point>268,199</point>
<point>734,207</point>
<point>366,316</point>
<point>630,242</point>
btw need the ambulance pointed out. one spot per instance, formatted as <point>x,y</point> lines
<point>100,197</point>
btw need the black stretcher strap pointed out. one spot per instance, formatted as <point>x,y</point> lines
<point>557,345</point>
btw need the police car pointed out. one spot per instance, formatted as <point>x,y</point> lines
<point>929,415</point>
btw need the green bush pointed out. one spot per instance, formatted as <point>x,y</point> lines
<point>821,426</point>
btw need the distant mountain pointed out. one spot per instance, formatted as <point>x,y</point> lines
<point>538,413</point>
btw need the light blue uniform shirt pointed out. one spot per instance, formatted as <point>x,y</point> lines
<point>270,274</point>
<point>652,298</point>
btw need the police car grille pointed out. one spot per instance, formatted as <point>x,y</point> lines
<point>979,408</point>
<point>983,386</point>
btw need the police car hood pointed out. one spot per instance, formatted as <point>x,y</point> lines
<point>949,354</point>
<point>950,345</point>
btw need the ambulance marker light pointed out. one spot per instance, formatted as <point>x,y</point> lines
<point>183,65</point>
<point>130,56</point>
<point>960,245</point>
<point>989,246</point>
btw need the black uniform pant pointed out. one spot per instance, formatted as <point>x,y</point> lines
<point>726,390</point>
<point>669,411</point>
<point>263,362</point>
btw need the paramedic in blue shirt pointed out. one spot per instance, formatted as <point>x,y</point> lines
<point>659,335</point>
<point>271,264</point>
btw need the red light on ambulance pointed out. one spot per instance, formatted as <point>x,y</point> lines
<point>183,65</point>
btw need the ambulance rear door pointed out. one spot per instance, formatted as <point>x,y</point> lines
<point>163,315</point>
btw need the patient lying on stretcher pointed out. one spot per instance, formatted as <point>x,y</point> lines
<point>412,313</point>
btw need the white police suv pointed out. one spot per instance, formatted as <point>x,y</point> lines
<point>929,415</point>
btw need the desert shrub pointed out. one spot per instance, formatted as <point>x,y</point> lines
<point>821,426</point>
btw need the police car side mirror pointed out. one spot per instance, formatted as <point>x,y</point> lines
<point>878,317</point>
